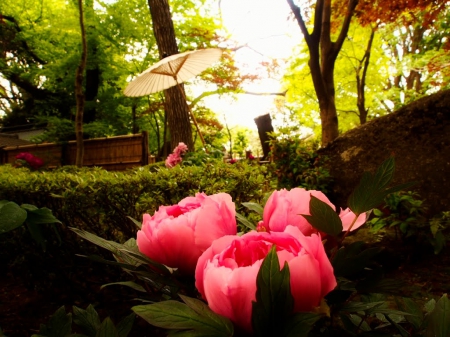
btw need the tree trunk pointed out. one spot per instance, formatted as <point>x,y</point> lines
<point>264,125</point>
<point>323,53</point>
<point>79,91</point>
<point>176,107</point>
<point>361,74</point>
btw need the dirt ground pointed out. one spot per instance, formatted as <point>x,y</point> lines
<point>27,300</point>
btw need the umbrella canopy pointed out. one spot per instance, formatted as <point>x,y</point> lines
<point>172,70</point>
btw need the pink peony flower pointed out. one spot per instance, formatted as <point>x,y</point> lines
<point>226,272</point>
<point>284,207</point>
<point>176,156</point>
<point>33,161</point>
<point>177,235</point>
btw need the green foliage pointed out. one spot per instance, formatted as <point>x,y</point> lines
<point>102,201</point>
<point>191,318</point>
<point>296,164</point>
<point>373,188</point>
<point>13,216</point>
<point>60,324</point>
<point>198,158</point>
<point>274,302</point>
<point>323,217</point>
<point>405,213</point>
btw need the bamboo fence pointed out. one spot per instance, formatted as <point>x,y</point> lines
<point>111,153</point>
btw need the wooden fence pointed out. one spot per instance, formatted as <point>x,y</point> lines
<point>112,153</point>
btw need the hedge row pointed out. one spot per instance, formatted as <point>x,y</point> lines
<point>101,202</point>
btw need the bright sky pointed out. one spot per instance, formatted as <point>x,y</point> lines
<point>265,27</point>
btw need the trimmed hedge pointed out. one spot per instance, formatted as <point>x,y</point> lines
<point>101,202</point>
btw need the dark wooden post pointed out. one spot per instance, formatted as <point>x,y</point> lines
<point>264,125</point>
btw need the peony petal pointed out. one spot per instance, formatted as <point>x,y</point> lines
<point>213,220</point>
<point>230,292</point>
<point>216,247</point>
<point>347,217</point>
<point>305,282</point>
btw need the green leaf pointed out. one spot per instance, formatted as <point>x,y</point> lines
<point>202,309</point>
<point>37,216</point>
<point>411,307</point>
<point>137,223</point>
<point>300,324</point>
<point>124,251</point>
<point>124,327</point>
<point>352,259</point>
<point>130,284</point>
<point>36,234</point>
<point>107,329</point>
<point>11,216</point>
<point>323,217</point>
<point>176,315</point>
<point>88,320</point>
<point>253,206</point>
<point>372,189</point>
<point>361,306</point>
<point>59,324</point>
<point>400,329</point>
<point>438,321</point>
<point>274,301</point>
<point>244,221</point>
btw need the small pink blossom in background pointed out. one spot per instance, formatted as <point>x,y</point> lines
<point>233,161</point>
<point>284,207</point>
<point>177,235</point>
<point>226,272</point>
<point>176,156</point>
<point>33,161</point>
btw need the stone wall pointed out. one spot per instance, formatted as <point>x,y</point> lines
<point>417,135</point>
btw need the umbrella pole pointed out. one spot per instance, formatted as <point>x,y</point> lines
<point>192,115</point>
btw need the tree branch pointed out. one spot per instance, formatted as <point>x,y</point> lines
<point>298,15</point>
<point>345,26</point>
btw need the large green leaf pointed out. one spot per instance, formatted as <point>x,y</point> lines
<point>415,311</point>
<point>37,216</point>
<point>244,221</point>
<point>372,189</point>
<point>128,252</point>
<point>438,321</point>
<point>88,320</point>
<point>179,316</point>
<point>352,259</point>
<point>253,206</point>
<point>124,326</point>
<point>300,324</point>
<point>130,284</point>
<point>59,325</point>
<point>202,309</point>
<point>274,301</point>
<point>323,217</point>
<point>11,216</point>
<point>107,329</point>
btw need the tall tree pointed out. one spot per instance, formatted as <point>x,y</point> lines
<point>323,53</point>
<point>328,16</point>
<point>79,90</point>
<point>175,103</point>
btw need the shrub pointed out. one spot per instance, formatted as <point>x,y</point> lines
<point>101,202</point>
<point>297,164</point>
<point>404,213</point>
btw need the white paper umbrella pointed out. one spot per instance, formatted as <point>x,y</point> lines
<point>173,70</point>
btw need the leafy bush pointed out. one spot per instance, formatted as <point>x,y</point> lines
<point>296,164</point>
<point>102,201</point>
<point>405,214</point>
